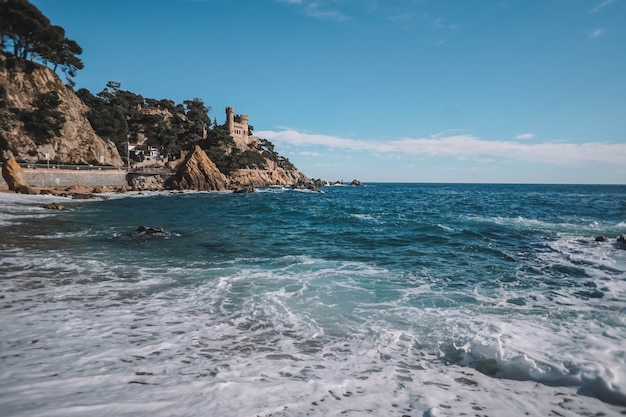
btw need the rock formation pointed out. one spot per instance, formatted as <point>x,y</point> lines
<point>77,143</point>
<point>150,231</point>
<point>252,163</point>
<point>54,206</point>
<point>198,172</point>
<point>621,241</point>
<point>147,183</point>
<point>272,175</point>
<point>15,176</point>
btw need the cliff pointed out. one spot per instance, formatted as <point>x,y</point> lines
<point>198,172</point>
<point>21,85</point>
<point>272,175</point>
<point>41,118</point>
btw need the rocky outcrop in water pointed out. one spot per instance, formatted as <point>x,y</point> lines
<point>15,176</point>
<point>150,231</point>
<point>198,172</point>
<point>54,206</point>
<point>21,85</point>
<point>273,175</point>
<point>247,189</point>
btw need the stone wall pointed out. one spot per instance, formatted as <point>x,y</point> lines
<point>52,177</point>
<point>238,128</point>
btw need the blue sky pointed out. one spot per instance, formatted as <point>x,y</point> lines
<point>530,91</point>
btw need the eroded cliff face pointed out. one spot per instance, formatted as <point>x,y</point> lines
<point>77,143</point>
<point>273,175</point>
<point>198,172</point>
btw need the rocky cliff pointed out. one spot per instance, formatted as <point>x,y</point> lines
<point>20,86</point>
<point>41,118</point>
<point>272,175</point>
<point>198,172</point>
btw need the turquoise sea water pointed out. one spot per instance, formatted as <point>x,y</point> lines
<point>388,299</point>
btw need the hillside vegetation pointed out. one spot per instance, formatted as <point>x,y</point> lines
<point>43,119</point>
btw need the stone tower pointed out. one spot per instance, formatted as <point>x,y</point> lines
<point>238,128</point>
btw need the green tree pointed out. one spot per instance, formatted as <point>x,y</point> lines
<point>32,37</point>
<point>198,120</point>
<point>107,119</point>
<point>45,121</point>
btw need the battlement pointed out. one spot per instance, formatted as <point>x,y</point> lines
<point>238,127</point>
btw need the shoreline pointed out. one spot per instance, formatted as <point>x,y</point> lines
<point>75,190</point>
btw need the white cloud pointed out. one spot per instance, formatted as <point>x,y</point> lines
<point>317,9</point>
<point>525,136</point>
<point>439,23</point>
<point>596,33</point>
<point>602,5</point>
<point>308,153</point>
<point>320,12</point>
<point>463,147</point>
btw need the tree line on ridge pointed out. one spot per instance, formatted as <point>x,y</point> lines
<point>28,38</point>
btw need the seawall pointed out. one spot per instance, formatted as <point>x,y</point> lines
<point>56,177</point>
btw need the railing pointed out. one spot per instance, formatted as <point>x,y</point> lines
<point>152,171</point>
<point>142,171</point>
<point>72,167</point>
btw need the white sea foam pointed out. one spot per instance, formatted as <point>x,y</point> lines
<point>362,216</point>
<point>589,229</point>
<point>298,335</point>
<point>151,346</point>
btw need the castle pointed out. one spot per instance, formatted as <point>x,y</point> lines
<point>238,128</point>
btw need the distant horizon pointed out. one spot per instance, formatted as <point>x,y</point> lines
<point>428,92</point>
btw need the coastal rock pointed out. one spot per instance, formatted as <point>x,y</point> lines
<point>77,143</point>
<point>319,182</point>
<point>198,172</point>
<point>244,190</point>
<point>356,183</point>
<point>15,176</point>
<point>601,239</point>
<point>26,190</point>
<point>147,183</point>
<point>150,231</point>
<point>621,242</point>
<point>85,196</point>
<point>54,206</point>
<point>271,175</point>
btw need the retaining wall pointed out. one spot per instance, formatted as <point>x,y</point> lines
<point>53,177</point>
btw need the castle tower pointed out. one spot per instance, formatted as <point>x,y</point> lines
<point>230,118</point>
<point>238,128</point>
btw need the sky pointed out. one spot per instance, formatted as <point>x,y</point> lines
<point>489,91</point>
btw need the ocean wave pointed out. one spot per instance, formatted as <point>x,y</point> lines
<point>292,306</point>
<point>585,228</point>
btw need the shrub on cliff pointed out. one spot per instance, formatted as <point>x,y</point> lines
<point>45,120</point>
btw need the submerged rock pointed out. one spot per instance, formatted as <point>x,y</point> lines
<point>150,231</point>
<point>244,190</point>
<point>54,206</point>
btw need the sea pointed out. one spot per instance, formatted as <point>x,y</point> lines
<point>418,300</point>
